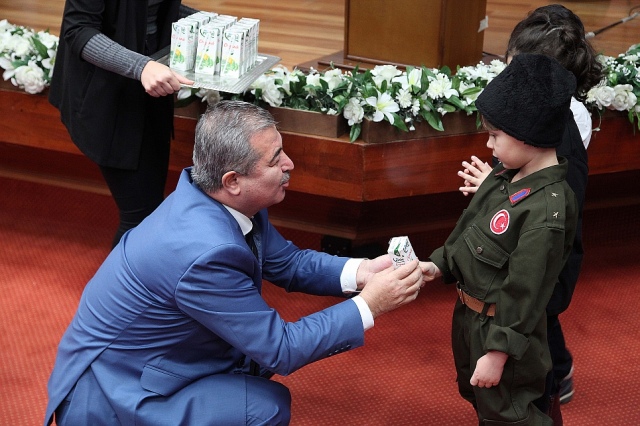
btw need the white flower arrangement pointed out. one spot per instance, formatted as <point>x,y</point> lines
<point>620,89</point>
<point>402,98</point>
<point>27,57</point>
<point>385,93</point>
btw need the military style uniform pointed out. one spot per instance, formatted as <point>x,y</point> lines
<point>505,254</point>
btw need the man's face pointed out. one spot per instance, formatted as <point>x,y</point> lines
<point>266,184</point>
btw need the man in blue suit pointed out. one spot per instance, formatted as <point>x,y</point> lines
<point>173,330</point>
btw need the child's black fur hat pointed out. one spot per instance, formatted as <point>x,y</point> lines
<point>530,100</point>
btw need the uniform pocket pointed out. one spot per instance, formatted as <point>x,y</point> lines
<point>480,260</point>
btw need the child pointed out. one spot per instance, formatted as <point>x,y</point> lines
<point>510,244</point>
<point>556,31</point>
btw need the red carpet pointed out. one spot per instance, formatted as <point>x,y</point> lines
<point>53,239</point>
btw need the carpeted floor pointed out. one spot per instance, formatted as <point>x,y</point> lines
<point>53,239</point>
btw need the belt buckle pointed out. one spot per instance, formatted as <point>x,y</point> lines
<point>460,294</point>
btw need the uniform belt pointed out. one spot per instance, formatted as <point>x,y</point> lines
<point>476,305</point>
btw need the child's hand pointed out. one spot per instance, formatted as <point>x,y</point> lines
<point>429,271</point>
<point>488,370</point>
<point>474,174</point>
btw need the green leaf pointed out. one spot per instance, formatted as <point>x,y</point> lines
<point>471,91</point>
<point>399,122</point>
<point>41,48</point>
<point>354,133</point>
<point>433,118</point>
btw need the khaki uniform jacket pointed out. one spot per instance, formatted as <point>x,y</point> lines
<point>508,248</point>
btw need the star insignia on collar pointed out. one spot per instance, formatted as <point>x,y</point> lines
<point>555,215</point>
<point>554,194</point>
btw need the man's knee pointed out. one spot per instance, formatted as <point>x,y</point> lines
<point>268,403</point>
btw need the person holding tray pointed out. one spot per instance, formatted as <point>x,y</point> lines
<point>115,100</point>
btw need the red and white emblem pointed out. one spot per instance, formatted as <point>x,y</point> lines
<point>500,222</point>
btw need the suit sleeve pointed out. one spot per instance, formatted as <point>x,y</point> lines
<point>218,292</point>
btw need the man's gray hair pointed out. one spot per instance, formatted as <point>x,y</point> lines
<point>223,141</point>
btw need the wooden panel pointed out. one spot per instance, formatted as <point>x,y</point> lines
<point>410,32</point>
<point>30,120</point>
<point>393,31</point>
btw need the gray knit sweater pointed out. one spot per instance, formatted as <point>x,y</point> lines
<point>105,53</point>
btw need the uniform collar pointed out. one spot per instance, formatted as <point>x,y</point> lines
<point>526,186</point>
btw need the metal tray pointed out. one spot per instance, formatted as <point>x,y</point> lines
<point>229,85</point>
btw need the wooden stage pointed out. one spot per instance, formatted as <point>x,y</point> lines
<point>358,191</point>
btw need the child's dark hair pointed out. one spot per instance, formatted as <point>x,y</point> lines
<point>557,32</point>
<point>486,124</point>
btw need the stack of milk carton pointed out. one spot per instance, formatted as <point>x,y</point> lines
<point>210,44</point>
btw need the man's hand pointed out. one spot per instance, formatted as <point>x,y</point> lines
<point>391,288</point>
<point>159,80</point>
<point>489,369</point>
<point>370,267</point>
<point>474,174</point>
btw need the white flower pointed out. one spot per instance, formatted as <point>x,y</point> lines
<point>20,45</point>
<point>384,107</point>
<point>5,26</point>
<point>27,57</point>
<point>353,111</point>
<point>601,95</point>
<point>212,97</point>
<point>333,78</point>
<point>8,68</point>
<point>270,92</point>
<point>482,71</point>
<point>496,67</point>
<point>386,73</point>
<point>184,93</point>
<point>440,87</point>
<point>29,77</point>
<point>623,98</point>
<point>415,107</point>
<point>282,73</point>
<point>313,79</point>
<point>411,80</point>
<point>49,40</point>
<point>404,98</point>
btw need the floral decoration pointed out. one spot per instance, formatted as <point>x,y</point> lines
<point>620,89</point>
<point>401,97</point>
<point>385,93</point>
<point>27,56</point>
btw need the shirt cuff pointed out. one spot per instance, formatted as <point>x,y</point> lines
<point>348,276</point>
<point>365,312</point>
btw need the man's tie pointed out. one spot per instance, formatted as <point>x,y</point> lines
<point>254,367</point>
<point>251,241</point>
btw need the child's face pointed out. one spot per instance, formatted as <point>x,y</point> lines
<point>511,152</point>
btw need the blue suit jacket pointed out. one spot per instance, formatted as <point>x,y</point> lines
<point>179,299</point>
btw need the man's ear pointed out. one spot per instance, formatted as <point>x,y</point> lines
<point>230,182</point>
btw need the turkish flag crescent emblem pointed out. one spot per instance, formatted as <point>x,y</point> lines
<point>500,222</point>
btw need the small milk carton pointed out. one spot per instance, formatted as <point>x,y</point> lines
<point>183,45</point>
<point>232,53</point>
<point>254,26</point>
<point>400,251</point>
<point>209,47</point>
